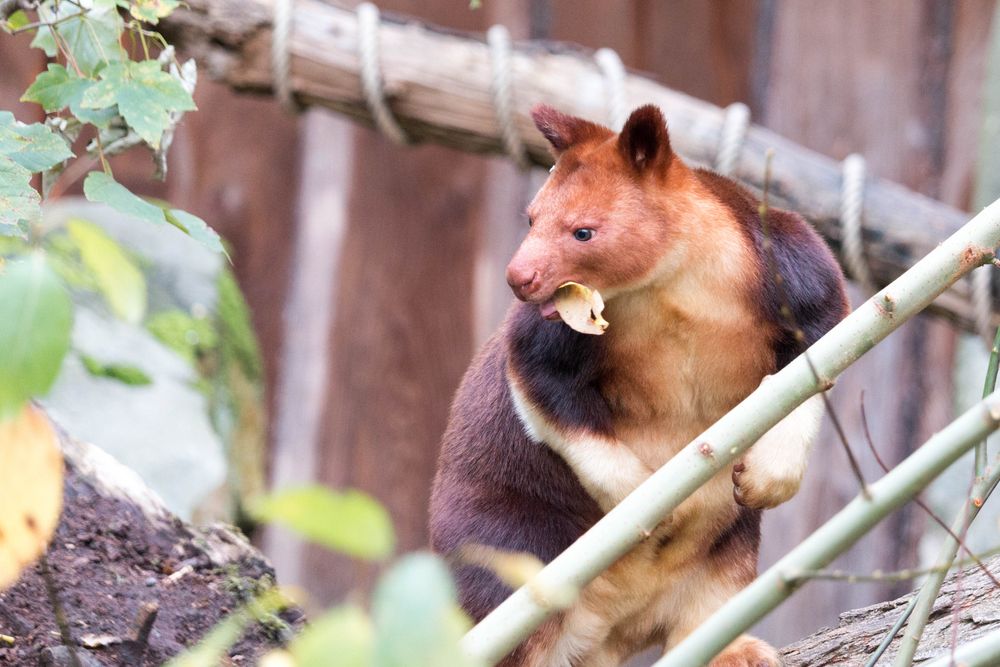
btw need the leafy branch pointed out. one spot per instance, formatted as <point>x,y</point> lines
<point>99,102</point>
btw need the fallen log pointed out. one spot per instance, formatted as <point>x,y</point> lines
<point>137,584</point>
<point>438,85</point>
<point>968,604</point>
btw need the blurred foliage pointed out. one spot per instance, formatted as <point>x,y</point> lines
<point>101,101</point>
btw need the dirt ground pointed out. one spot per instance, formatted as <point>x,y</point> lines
<point>109,561</point>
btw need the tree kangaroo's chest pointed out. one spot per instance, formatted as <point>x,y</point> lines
<point>664,393</point>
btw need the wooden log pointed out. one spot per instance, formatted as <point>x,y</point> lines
<point>438,86</point>
<point>969,605</point>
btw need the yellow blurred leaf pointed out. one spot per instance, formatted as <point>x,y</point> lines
<point>580,307</point>
<point>31,490</point>
<point>119,279</point>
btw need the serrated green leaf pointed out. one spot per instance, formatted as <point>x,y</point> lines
<point>92,36</point>
<point>55,88</point>
<point>351,521</point>
<point>196,228</point>
<point>418,622</point>
<point>19,202</point>
<point>17,20</point>
<point>101,188</point>
<point>341,637</point>
<point>59,88</point>
<point>35,147</point>
<point>119,279</point>
<point>145,96</point>
<point>35,321</point>
<point>152,11</point>
<point>123,373</point>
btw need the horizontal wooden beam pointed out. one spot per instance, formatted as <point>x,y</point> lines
<point>438,85</point>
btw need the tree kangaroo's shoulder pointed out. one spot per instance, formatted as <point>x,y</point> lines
<point>811,282</point>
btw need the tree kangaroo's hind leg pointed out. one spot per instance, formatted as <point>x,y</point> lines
<point>729,565</point>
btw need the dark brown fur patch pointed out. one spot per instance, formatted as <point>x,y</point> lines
<point>496,487</point>
<point>559,369</point>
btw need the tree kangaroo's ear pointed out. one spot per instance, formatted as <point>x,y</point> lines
<point>563,130</point>
<point>644,142</point>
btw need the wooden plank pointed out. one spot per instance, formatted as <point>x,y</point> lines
<point>403,329</point>
<point>301,393</point>
<point>20,66</point>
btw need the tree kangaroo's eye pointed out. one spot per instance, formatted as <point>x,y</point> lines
<point>583,234</point>
<point>531,221</point>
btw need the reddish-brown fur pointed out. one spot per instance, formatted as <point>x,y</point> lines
<point>679,255</point>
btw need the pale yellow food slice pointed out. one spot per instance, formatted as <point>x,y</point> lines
<point>580,308</point>
<point>31,490</point>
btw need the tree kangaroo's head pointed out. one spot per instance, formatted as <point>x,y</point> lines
<point>607,215</point>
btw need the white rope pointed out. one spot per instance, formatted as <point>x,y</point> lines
<point>503,102</point>
<point>371,73</point>
<point>613,72</point>
<point>281,58</point>
<point>734,133</point>
<point>851,212</point>
<point>982,302</point>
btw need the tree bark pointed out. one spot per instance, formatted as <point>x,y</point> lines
<point>438,86</point>
<point>969,594</point>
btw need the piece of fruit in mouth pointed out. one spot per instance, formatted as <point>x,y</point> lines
<point>579,307</point>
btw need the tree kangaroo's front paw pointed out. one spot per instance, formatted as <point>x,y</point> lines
<point>758,486</point>
<point>747,651</point>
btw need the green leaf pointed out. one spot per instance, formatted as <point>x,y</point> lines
<point>101,188</point>
<point>18,200</point>
<point>35,147</point>
<point>341,637</point>
<point>92,36</point>
<point>351,521</point>
<point>119,279</point>
<point>152,11</point>
<point>145,96</point>
<point>59,88</point>
<point>124,373</point>
<point>239,343</point>
<point>196,228</point>
<point>418,622</point>
<point>186,335</point>
<point>17,20</point>
<point>35,321</point>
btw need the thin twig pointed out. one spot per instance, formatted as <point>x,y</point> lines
<point>898,575</point>
<point>924,506</point>
<point>789,315</point>
<point>43,24</point>
<point>144,625</point>
<point>57,609</point>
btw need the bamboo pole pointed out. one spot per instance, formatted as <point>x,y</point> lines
<point>982,652</point>
<point>438,86</point>
<point>837,535</point>
<point>624,526</point>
